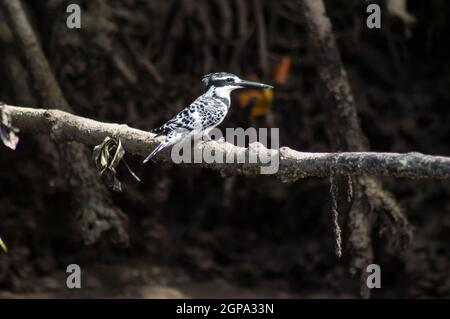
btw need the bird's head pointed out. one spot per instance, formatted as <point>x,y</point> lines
<point>228,82</point>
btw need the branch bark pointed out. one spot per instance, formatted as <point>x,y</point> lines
<point>293,165</point>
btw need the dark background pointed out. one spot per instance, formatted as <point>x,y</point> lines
<point>192,232</point>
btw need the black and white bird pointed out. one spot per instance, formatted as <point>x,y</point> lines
<point>206,112</point>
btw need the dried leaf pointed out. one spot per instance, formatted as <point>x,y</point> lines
<point>7,131</point>
<point>282,70</point>
<point>259,109</point>
<point>3,245</point>
<point>268,95</point>
<point>118,155</point>
<point>106,157</point>
<point>258,100</point>
<point>247,97</point>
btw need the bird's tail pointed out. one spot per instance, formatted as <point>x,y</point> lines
<point>160,130</point>
<point>155,151</point>
<point>171,138</point>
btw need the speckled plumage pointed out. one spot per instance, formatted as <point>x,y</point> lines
<point>205,113</point>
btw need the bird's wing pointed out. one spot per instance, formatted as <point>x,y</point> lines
<point>202,113</point>
<point>212,113</point>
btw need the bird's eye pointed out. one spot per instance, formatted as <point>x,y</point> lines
<point>229,80</point>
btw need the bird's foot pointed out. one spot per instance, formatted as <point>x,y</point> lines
<point>206,138</point>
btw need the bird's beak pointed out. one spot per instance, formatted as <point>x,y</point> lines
<point>256,85</point>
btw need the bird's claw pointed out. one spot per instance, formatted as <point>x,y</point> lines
<point>206,138</point>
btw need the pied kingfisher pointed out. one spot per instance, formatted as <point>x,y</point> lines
<point>206,112</point>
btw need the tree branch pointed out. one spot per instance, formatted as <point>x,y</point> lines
<point>293,165</point>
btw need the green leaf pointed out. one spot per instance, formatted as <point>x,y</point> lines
<point>3,245</point>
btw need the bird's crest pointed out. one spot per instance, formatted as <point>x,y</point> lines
<point>211,77</point>
<point>206,78</point>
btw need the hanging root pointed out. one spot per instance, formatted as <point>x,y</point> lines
<point>360,223</point>
<point>390,217</point>
<point>334,191</point>
<point>349,188</point>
